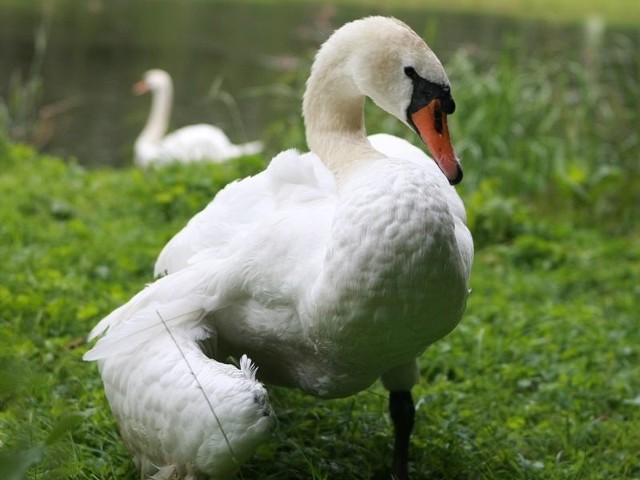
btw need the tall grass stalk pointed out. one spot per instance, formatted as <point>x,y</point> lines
<point>23,115</point>
<point>19,118</point>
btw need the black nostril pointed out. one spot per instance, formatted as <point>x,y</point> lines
<point>448,105</point>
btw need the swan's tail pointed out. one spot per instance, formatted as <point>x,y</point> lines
<point>177,301</point>
<point>248,368</point>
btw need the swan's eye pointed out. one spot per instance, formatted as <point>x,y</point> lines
<point>410,72</point>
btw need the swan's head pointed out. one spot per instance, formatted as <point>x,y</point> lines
<point>392,65</point>
<point>153,80</point>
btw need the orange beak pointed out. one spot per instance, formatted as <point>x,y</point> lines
<point>140,88</point>
<point>431,123</point>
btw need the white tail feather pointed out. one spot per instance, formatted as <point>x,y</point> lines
<point>180,298</point>
<point>248,367</point>
<point>145,325</point>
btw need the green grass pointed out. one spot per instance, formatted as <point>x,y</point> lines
<point>540,380</point>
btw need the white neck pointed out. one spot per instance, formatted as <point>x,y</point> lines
<point>158,121</point>
<point>333,113</point>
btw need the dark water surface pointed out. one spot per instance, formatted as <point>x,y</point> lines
<point>96,49</point>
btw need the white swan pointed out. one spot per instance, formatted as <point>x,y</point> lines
<point>333,268</point>
<point>188,144</point>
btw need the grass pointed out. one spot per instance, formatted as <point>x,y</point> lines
<point>540,380</point>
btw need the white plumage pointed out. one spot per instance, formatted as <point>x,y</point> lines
<point>194,419</point>
<point>194,143</point>
<point>334,268</point>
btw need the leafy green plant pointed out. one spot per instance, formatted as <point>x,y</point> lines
<point>19,119</point>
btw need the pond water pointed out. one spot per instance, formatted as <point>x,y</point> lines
<point>96,49</point>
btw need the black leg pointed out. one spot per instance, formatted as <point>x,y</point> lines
<point>402,414</point>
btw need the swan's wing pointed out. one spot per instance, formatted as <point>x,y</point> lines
<point>222,228</point>
<point>222,225</point>
<point>395,147</point>
<point>240,234</point>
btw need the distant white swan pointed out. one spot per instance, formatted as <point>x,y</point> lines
<point>334,268</point>
<point>194,143</point>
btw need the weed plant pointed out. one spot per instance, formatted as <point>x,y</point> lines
<point>539,381</point>
<point>22,118</point>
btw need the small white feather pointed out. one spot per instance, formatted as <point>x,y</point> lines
<point>248,367</point>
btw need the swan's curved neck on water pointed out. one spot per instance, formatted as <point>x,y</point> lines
<point>158,120</point>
